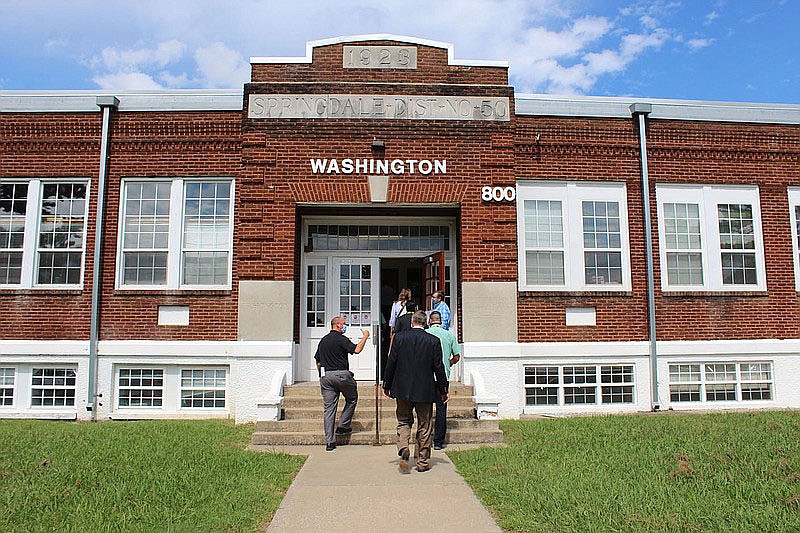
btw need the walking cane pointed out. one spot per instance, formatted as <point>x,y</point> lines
<point>376,342</point>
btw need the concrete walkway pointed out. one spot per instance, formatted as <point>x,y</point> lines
<point>359,488</point>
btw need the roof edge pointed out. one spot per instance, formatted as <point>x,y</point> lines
<point>144,100</point>
<point>662,108</point>
<point>310,45</point>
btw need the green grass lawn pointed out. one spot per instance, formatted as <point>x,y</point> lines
<point>699,472</point>
<point>137,476</point>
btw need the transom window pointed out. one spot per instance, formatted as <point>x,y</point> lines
<point>140,387</point>
<point>53,387</point>
<point>720,382</point>
<point>176,234</point>
<point>42,233</point>
<point>579,385</point>
<point>377,237</point>
<point>203,388</point>
<point>7,377</point>
<point>710,238</point>
<point>574,236</point>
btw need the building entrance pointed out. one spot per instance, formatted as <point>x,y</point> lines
<point>356,269</point>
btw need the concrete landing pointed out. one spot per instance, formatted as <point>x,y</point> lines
<point>359,488</point>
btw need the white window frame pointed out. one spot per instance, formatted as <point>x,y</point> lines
<point>572,194</point>
<point>794,201</point>
<point>53,386</point>
<point>8,380</point>
<point>707,197</point>
<point>598,385</point>
<point>33,217</point>
<point>203,369</point>
<point>175,246</point>
<point>703,382</point>
<point>120,388</point>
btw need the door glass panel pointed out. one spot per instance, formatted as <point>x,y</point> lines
<point>354,294</point>
<point>315,312</point>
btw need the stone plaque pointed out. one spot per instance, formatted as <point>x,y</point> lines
<point>365,106</point>
<point>398,57</point>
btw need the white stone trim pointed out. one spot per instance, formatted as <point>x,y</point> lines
<point>310,45</point>
<point>86,101</point>
<point>666,109</point>
<point>144,350</point>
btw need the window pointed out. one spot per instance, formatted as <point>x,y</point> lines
<point>315,294</point>
<point>574,236</point>
<point>176,234</point>
<point>53,387</point>
<point>720,382</point>
<point>710,238</point>
<point>7,376</point>
<point>140,387</point>
<point>203,388</point>
<point>579,385</point>
<point>794,215</point>
<point>42,233</point>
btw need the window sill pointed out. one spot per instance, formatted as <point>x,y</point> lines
<point>10,291</point>
<point>173,292</point>
<point>707,294</point>
<point>575,294</point>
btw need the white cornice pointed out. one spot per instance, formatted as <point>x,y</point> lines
<point>310,45</point>
<point>86,101</point>
<point>665,109</point>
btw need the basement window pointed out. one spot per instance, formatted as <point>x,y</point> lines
<point>570,385</point>
<point>720,382</point>
<point>53,387</point>
<point>7,379</point>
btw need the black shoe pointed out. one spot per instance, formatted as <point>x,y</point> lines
<point>343,431</point>
<point>405,467</point>
<point>438,446</point>
<point>330,447</point>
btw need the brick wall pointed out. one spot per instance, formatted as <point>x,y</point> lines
<point>49,146</point>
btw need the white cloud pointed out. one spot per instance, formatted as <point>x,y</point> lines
<point>697,44</point>
<point>126,81</point>
<point>711,17</point>
<point>220,66</point>
<point>162,55</point>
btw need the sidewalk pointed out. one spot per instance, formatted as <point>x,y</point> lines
<point>359,488</point>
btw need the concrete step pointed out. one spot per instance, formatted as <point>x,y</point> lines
<point>365,403</point>
<point>310,389</point>
<point>358,425</point>
<point>362,413</point>
<point>455,436</point>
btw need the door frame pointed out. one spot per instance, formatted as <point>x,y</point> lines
<point>302,358</point>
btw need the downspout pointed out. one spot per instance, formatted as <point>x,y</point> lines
<point>106,104</point>
<point>640,112</point>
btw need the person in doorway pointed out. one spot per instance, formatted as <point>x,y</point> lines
<point>399,306</point>
<point>335,378</point>
<point>451,354</point>
<point>403,322</point>
<point>415,378</point>
<point>438,304</point>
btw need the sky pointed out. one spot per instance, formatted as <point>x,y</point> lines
<point>720,50</point>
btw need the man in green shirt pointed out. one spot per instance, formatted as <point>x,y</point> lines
<point>451,354</point>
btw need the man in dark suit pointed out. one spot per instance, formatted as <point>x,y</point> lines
<point>414,377</point>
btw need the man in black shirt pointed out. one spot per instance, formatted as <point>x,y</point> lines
<point>335,377</point>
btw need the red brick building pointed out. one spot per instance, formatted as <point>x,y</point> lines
<point>180,253</point>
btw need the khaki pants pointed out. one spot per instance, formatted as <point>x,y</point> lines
<point>405,419</point>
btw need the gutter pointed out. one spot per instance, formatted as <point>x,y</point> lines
<point>640,112</point>
<point>106,104</point>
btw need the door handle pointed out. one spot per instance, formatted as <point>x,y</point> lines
<point>375,332</point>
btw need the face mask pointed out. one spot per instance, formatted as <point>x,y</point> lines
<point>344,329</point>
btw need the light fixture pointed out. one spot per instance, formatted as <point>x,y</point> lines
<point>378,145</point>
